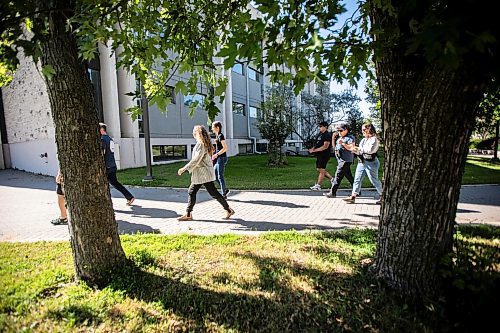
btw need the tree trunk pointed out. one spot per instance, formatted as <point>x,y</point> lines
<point>428,115</point>
<point>94,236</point>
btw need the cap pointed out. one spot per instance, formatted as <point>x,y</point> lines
<point>323,123</point>
<point>341,127</point>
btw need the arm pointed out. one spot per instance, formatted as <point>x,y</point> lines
<point>195,160</point>
<point>222,151</point>
<point>325,146</point>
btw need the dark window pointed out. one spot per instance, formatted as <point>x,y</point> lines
<point>245,148</point>
<point>167,153</point>
<point>238,108</point>
<point>261,146</point>
<point>253,74</point>
<point>171,93</point>
<point>238,68</point>
<point>95,79</point>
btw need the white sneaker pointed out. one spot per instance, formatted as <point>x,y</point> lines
<point>315,187</point>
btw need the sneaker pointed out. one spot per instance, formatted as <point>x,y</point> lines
<point>315,187</point>
<point>225,194</point>
<point>229,213</point>
<point>350,199</point>
<point>379,201</point>
<point>185,217</point>
<point>130,202</point>
<point>59,221</point>
<point>330,195</point>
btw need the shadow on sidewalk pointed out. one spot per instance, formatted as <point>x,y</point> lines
<point>269,203</point>
<point>149,212</point>
<point>125,227</point>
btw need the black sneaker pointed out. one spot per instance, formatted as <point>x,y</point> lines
<point>59,221</point>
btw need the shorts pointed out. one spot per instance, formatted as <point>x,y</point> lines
<point>59,189</point>
<point>322,161</point>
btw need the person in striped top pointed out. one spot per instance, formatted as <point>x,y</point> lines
<point>202,173</point>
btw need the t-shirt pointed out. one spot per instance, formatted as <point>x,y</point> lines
<point>218,142</point>
<point>340,152</point>
<point>109,151</point>
<point>326,136</point>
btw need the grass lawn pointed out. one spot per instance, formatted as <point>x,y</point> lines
<point>277,282</point>
<point>251,172</point>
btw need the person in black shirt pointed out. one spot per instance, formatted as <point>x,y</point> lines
<point>220,157</point>
<point>322,151</point>
<point>108,147</point>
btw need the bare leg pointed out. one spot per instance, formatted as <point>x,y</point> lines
<point>62,206</point>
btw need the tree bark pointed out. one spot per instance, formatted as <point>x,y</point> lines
<point>428,115</point>
<point>94,236</point>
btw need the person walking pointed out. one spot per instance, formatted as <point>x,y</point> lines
<point>61,202</point>
<point>342,141</point>
<point>202,173</point>
<point>220,157</point>
<point>368,163</point>
<point>108,147</point>
<point>322,151</point>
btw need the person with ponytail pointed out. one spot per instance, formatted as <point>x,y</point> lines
<point>202,173</point>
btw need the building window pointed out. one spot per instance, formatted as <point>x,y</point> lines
<point>95,79</point>
<point>189,100</point>
<point>261,146</point>
<point>254,112</point>
<point>238,68</point>
<point>245,148</point>
<point>239,108</point>
<point>253,74</point>
<point>140,124</point>
<point>167,153</point>
<point>170,92</point>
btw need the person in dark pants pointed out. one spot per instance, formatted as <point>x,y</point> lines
<point>342,141</point>
<point>220,157</point>
<point>108,148</point>
<point>202,173</point>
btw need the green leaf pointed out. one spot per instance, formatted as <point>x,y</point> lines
<point>48,71</point>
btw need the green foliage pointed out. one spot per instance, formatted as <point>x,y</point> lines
<point>488,114</point>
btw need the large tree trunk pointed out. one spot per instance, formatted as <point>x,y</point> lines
<point>94,236</point>
<point>428,115</point>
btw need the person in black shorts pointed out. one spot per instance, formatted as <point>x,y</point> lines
<point>63,217</point>
<point>322,151</point>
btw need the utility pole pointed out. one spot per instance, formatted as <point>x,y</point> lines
<point>147,139</point>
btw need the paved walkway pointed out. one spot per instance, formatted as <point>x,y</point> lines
<point>28,203</point>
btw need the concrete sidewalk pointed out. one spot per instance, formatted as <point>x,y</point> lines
<point>28,203</point>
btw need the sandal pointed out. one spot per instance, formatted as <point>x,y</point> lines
<point>185,217</point>
<point>59,221</point>
<point>229,213</point>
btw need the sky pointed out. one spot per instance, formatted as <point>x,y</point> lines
<point>335,87</point>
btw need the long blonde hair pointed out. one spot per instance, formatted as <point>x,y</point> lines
<point>201,133</point>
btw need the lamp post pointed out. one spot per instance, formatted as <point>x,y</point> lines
<point>147,141</point>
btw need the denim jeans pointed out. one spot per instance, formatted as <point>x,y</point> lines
<point>219,166</point>
<point>369,168</point>
<point>343,170</point>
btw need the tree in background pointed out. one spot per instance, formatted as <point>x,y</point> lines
<point>276,121</point>
<point>329,107</point>
<point>488,118</point>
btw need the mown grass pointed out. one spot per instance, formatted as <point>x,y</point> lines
<point>278,282</point>
<point>251,172</point>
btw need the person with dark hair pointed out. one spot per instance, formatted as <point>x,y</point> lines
<point>368,163</point>
<point>342,139</point>
<point>108,147</point>
<point>322,151</point>
<point>61,202</point>
<point>220,157</point>
<point>202,173</point>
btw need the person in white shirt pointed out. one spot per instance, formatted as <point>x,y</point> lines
<point>202,173</point>
<point>368,163</point>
